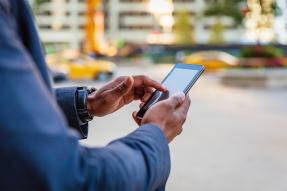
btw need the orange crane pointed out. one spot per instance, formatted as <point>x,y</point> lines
<point>94,31</point>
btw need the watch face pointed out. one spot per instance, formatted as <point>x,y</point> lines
<point>91,90</point>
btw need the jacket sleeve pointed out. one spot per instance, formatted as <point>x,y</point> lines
<point>66,99</point>
<point>38,152</point>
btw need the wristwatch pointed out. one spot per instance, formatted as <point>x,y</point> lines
<point>82,101</point>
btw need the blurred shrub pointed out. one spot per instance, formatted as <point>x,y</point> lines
<point>37,4</point>
<point>262,56</point>
<point>261,52</point>
<point>183,29</point>
<point>226,8</point>
<point>217,33</point>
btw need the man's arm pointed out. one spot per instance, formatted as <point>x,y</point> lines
<point>39,153</point>
<point>138,162</point>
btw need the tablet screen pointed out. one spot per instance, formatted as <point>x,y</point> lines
<point>180,79</point>
<point>176,82</point>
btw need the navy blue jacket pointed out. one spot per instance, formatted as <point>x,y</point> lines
<point>38,151</point>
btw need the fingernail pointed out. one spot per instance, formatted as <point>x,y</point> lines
<point>181,95</point>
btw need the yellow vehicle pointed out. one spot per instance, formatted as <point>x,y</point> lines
<point>212,60</point>
<point>84,68</point>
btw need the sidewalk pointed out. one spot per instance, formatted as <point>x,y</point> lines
<point>235,139</point>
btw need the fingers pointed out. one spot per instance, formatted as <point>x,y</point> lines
<point>175,100</point>
<point>114,83</point>
<point>147,82</point>
<point>138,92</point>
<point>137,120</point>
<point>148,92</point>
<point>141,104</point>
<point>124,86</point>
<point>143,93</point>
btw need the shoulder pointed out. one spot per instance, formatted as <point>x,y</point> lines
<point>5,6</point>
<point>7,17</point>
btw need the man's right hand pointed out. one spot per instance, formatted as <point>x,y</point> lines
<point>169,115</point>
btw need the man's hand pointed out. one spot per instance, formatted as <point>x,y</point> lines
<point>120,92</point>
<point>169,115</point>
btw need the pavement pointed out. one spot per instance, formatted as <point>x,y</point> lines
<point>233,139</point>
<point>264,78</point>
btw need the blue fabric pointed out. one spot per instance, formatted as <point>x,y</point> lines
<point>67,98</point>
<point>38,152</point>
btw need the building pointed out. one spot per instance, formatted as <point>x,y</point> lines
<point>130,20</point>
<point>63,21</point>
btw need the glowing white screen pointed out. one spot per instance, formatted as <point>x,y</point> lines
<point>179,79</point>
<point>176,82</point>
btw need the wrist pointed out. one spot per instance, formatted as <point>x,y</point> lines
<point>90,108</point>
<point>158,124</point>
<point>83,104</point>
<point>90,104</point>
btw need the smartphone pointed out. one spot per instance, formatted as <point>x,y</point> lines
<point>180,79</point>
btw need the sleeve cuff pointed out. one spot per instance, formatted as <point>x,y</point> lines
<point>67,99</point>
<point>156,132</point>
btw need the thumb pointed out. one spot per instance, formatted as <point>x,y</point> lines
<point>123,88</point>
<point>137,120</point>
<point>176,100</point>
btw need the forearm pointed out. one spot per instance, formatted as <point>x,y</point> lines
<point>139,161</point>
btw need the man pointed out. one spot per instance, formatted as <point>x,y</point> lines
<point>39,152</point>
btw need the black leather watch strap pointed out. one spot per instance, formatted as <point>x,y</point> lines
<point>82,101</point>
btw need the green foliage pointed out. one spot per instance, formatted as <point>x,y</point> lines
<point>217,33</point>
<point>262,52</point>
<point>226,8</point>
<point>37,3</point>
<point>183,29</point>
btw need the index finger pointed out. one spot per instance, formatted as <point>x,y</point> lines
<point>147,82</point>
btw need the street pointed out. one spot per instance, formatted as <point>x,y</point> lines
<point>234,138</point>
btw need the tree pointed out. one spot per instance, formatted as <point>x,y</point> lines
<point>36,4</point>
<point>217,36</point>
<point>226,8</point>
<point>221,8</point>
<point>183,29</point>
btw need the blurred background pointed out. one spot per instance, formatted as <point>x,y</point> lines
<point>235,137</point>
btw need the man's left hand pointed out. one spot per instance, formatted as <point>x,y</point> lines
<point>120,92</point>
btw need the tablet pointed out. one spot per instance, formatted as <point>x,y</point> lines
<point>180,79</point>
